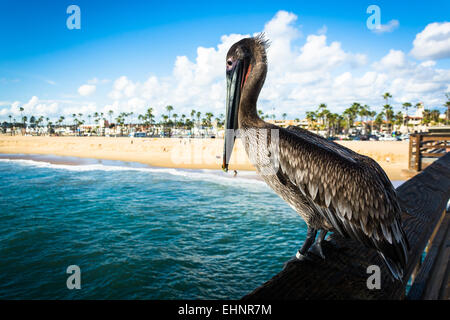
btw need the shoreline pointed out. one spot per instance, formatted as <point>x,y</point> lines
<point>184,153</point>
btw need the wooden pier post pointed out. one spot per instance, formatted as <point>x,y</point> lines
<point>428,146</point>
<point>418,158</point>
<point>343,274</point>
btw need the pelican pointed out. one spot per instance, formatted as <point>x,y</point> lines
<point>333,188</point>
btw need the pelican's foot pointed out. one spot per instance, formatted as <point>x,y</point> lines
<point>299,256</point>
<point>317,250</point>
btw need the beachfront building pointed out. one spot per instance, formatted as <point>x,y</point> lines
<point>416,119</point>
<point>415,122</point>
<point>286,123</point>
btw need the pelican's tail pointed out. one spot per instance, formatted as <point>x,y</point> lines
<point>396,269</point>
<point>395,251</point>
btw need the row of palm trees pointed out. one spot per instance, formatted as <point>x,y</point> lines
<point>320,119</point>
<point>323,119</point>
<point>184,121</point>
<point>145,120</point>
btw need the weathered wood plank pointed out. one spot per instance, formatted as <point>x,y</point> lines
<point>427,137</point>
<point>431,277</point>
<point>433,155</point>
<point>342,275</point>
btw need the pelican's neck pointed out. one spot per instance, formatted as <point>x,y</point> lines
<point>248,115</point>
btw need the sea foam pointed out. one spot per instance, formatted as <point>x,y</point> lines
<point>215,176</point>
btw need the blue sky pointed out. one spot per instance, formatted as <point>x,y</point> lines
<point>40,57</point>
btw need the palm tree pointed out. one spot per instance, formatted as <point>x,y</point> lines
<point>221,122</point>
<point>372,115</point>
<point>348,114</point>
<point>398,118</point>
<point>21,115</point>
<point>175,116</point>
<point>389,114</point>
<point>435,115</point>
<point>261,114</point>
<point>96,119</point>
<point>284,115</point>
<point>405,106</point>
<point>351,113</point>
<point>40,120</point>
<point>21,112</point>
<point>209,117</point>
<point>322,112</point>
<point>447,104</point>
<point>140,119</point>
<point>131,114</point>
<point>386,97</point>
<point>169,109</point>
<point>331,120</point>
<point>311,117</point>
<point>32,121</point>
<point>149,115</point>
<point>364,112</point>
<point>110,113</point>
<point>426,117</point>
<point>379,120</point>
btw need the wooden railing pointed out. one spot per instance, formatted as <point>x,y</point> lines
<point>426,146</point>
<point>343,274</point>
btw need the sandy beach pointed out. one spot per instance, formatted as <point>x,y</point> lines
<point>185,153</point>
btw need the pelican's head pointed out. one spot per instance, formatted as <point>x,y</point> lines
<point>240,59</point>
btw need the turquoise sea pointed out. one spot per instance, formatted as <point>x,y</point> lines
<point>137,232</point>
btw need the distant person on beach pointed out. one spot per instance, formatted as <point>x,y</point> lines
<point>235,173</point>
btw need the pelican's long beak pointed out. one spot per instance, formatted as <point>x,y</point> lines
<point>234,83</point>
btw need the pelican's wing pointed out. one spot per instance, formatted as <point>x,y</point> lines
<point>349,190</point>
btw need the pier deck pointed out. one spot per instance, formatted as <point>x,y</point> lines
<point>343,275</point>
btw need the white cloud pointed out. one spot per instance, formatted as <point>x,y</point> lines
<point>428,63</point>
<point>86,89</point>
<point>302,73</point>
<point>433,42</point>
<point>34,106</point>
<point>395,59</point>
<point>389,27</point>
<point>97,81</point>
<point>299,77</point>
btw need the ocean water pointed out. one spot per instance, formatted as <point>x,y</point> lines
<point>138,232</point>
